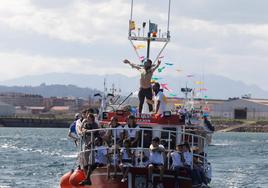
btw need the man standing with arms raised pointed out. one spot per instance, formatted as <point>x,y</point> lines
<point>145,81</point>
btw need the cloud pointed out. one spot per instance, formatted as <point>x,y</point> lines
<point>223,11</point>
<point>14,65</point>
<point>228,38</point>
<point>80,21</point>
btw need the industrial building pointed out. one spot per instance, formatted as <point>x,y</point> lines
<point>241,109</point>
<point>6,109</point>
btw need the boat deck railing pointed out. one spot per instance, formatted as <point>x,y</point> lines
<point>194,140</point>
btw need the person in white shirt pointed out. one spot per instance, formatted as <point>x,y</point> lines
<point>100,159</point>
<point>117,132</point>
<point>79,123</point>
<point>187,155</point>
<point>156,159</point>
<point>177,163</point>
<point>132,131</point>
<point>176,157</point>
<point>126,159</point>
<point>72,130</point>
<point>187,162</point>
<point>158,99</point>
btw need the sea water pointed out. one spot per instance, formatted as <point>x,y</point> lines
<point>38,157</point>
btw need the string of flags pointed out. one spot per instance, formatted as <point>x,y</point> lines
<point>199,82</point>
<point>142,58</point>
<point>140,46</point>
<point>172,95</point>
<point>201,89</point>
<point>156,78</point>
<point>156,32</point>
<point>161,69</point>
<point>165,86</point>
<point>169,64</point>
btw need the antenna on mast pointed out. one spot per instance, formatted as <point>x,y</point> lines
<point>153,35</point>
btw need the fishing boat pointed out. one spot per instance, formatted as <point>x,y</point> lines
<point>168,127</point>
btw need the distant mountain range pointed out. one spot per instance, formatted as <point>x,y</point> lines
<point>52,90</point>
<point>82,85</point>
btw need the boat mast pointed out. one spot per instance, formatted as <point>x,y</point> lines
<point>153,35</point>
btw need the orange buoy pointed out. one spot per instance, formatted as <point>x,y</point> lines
<point>64,180</point>
<point>76,177</point>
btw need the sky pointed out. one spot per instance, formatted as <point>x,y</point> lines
<point>222,37</point>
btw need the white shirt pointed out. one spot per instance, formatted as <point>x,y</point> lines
<point>118,131</point>
<point>124,154</point>
<point>78,124</point>
<point>156,157</point>
<point>100,155</point>
<point>176,159</point>
<point>160,97</point>
<point>132,132</point>
<point>188,158</point>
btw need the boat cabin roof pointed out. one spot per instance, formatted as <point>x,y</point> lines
<point>144,119</point>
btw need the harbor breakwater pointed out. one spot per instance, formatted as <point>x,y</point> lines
<point>34,122</point>
<point>223,125</point>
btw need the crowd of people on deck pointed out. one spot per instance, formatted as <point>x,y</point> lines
<point>116,148</point>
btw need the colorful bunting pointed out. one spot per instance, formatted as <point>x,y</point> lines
<point>142,58</point>
<point>140,46</point>
<point>169,64</point>
<point>156,78</point>
<point>164,86</point>
<point>172,94</point>
<point>190,75</point>
<point>199,82</point>
<point>161,69</point>
<point>201,89</point>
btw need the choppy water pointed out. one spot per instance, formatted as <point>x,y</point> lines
<point>32,158</point>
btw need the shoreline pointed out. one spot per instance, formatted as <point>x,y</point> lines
<point>221,125</point>
<point>35,122</point>
<point>230,125</point>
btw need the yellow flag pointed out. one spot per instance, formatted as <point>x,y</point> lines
<point>199,82</point>
<point>132,25</point>
<point>140,46</point>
